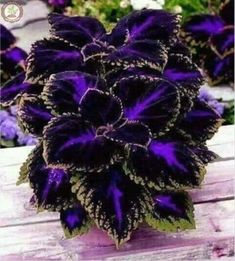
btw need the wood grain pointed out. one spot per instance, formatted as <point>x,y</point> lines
<point>215,228</point>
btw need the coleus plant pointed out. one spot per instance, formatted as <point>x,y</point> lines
<point>212,38</point>
<point>122,130</point>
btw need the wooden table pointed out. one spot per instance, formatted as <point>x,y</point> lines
<point>25,235</point>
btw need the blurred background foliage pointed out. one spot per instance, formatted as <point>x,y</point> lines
<point>107,11</point>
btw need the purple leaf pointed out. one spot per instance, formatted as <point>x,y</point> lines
<point>115,203</point>
<point>219,70</point>
<point>201,27</point>
<point>166,164</point>
<point>150,54</point>
<point>12,89</point>
<point>51,56</point>
<point>201,123</point>
<point>223,42</point>
<point>145,25</point>
<point>101,108</point>
<point>12,58</point>
<point>172,212</point>
<point>204,154</point>
<point>33,114</point>
<point>74,220</point>
<point>183,72</point>
<point>63,91</point>
<point>77,30</point>
<point>70,141</point>
<point>51,185</point>
<point>7,38</point>
<point>226,11</point>
<point>130,133</point>
<point>155,102</point>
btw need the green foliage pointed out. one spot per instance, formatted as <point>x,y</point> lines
<point>190,7</point>
<point>107,11</point>
<point>229,114</point>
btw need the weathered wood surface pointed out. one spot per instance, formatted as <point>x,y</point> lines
<point>25,235</point>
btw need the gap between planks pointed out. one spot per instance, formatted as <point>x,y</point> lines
<point>214,231</point>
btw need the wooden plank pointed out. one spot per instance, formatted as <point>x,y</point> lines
<point>14,156</point>
<point>224,135</point>
<point>212,238</point>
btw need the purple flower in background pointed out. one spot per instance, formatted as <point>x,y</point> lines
<point>121,127</point>
<point>58,5</point>
<point>8,128</point>
<point>205,95</point>
<point>10,131</point>
<point>3,115</point>
<point>212,35</point>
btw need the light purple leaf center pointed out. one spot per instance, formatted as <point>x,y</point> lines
<point>72,219</point>
<point>166,201</point>
<point>144,104</point>
<point>115,193</point>
<point>176,75</point>
<point>55,177</point>
<point>84,138</point>
<point>167,151</point>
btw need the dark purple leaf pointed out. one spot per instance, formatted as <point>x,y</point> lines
<point>183,72</point>
<point>58,5</point>
<point>155,102</point>
<point>172,212</point>
<point>94,54</point>
<point>167,164</point>
<point>150,54</point>
<point>71,142</point>
<point>64,90</point>
<point>179,48</point>
<point>201,123</point>
<point>204,154</point>
<point>12,89</point>
<point>226,11</point>
<point>7,38</point>
<point>101,108</point>
<point>114,76</point>
<point>115,203</point>
<point>74,220</point>
<point>219,70</point>
<point>12,58</point>
<point>201,27</point>
<point>223,42</point>
<point>33,114</point>
<point>51,186</point>
<point>130,133</point>
<point>77,30</point>
<point>94,50</point>
<point>51,56</point>
<point>145,25</point>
